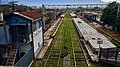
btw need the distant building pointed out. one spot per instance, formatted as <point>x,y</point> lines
<point>90,15</point>
<point>25,35</point>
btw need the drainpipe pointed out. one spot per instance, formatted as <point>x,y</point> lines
<point>43,18</point>
<point>32,42</point>
<point>42,30</point>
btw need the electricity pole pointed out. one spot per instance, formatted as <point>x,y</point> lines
<point>117,15</point>
<point>13,3</point>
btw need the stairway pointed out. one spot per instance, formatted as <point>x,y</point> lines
<point>12,53</point>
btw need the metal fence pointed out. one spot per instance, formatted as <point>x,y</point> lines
<point>26,59</point>
<point>110,55</point>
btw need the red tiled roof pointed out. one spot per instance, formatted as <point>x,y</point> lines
<point>31,15</point>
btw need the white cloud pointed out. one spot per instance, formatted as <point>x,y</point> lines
<point>110,1</point>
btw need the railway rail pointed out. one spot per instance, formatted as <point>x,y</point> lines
<point>54,53</point>
<point>65,49</point>
<point>77,49</point>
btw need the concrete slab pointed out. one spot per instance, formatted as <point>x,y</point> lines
<point>92,35</point>
<point>42,53</point>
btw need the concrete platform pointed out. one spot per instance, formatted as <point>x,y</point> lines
<point>47,42</point>
<point>92,35</point>
<point>44,49</point>
<point>42,53</point>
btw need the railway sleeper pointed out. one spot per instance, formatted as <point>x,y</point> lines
<point>64,54</point>
<point>55,50</point>
<point>52,62</point>
<point>59,39</point>
<point>54,55</point>
<point>78,52</point>
<point>80,59</point>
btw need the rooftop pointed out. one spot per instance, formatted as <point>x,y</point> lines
<point>31,15</point>
<point>90,13</point>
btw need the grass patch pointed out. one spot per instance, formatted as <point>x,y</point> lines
<point>65,35</point>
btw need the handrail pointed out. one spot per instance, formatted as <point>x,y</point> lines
<point>29,50</point>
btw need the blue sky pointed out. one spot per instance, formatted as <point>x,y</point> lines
<point>39,2</point>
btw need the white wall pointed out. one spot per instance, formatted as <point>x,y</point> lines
<point>38,40</point>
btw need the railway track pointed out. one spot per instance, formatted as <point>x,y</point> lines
<point>76,54</point>
<point>54,54</point>
<point>77,49</point>
<point>65,50</point>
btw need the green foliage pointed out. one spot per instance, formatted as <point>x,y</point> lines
<point>110,13</point>
<point>49,16</point>
<point>118,19</point>
<point>65,38</point>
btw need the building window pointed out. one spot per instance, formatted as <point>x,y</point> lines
<point>40,23</point>
<point>37,24</point>
<point>29,29</point>
<point>38,44</point>
<point>34,28</point>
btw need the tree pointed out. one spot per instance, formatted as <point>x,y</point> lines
<point>118,21</point>
<point>110,13</point>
